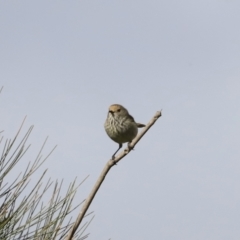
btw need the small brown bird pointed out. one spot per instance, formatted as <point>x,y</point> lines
<point>120,125</point>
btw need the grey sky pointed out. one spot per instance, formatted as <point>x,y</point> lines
<point>64,62</point>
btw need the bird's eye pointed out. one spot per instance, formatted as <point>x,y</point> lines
<point>119,110</point>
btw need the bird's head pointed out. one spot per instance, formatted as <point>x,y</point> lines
<point>117,110</point>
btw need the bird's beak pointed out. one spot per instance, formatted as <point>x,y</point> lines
<point>111,112</point>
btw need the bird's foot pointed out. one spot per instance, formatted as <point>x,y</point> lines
<point>129,147</point>
<point>113,159</point>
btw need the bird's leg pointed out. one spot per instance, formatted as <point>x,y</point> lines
<point>130,148</point>
<point>113,156</point>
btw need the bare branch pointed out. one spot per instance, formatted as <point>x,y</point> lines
<point>104,172</point>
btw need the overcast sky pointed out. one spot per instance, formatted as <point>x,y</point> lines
<point>62,63</point>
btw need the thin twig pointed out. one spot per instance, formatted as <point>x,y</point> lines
<point>104,172</point>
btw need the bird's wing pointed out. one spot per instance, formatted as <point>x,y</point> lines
<point>132,119</point>
<point>139,125</point>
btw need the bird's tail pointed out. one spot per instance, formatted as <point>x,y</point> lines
<point>140,125</point>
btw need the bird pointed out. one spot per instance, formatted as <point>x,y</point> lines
<point>120,126</point>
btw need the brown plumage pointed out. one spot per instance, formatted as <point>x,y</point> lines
<point>120,125</point>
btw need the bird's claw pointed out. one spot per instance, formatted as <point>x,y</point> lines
<point>113,159</point>
<point>129,147</point>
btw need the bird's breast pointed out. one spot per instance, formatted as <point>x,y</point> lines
<point>121,131</point>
